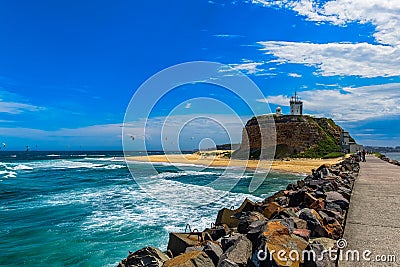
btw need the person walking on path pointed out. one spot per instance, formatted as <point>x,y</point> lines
<point>363,152</point>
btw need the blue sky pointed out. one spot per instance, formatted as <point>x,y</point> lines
<point>68,69</point>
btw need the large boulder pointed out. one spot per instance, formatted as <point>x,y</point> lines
<point>228,241</point>
<point>314,222</point>
<point>333,228</point>
<point>218,231</point>
<point>239,253</point>
<point>190,259</point>
<point>226,216</point>
<point>246,218</point>
<point>255,229</point>
<point>145,257</point>
<point>213,250</point>
<point>337,198</point>
<point>276,238</point>
<point>271,209</point>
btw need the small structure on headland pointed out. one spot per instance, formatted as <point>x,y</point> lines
<point>296,106</point>
<point>348,144</point>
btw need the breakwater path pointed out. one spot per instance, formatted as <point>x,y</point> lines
<point>373,221</point>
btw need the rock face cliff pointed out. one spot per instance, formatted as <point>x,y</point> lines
<point>296,136</point>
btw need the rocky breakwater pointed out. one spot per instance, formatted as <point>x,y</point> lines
<point>392,161</point>
<point>286,229</point>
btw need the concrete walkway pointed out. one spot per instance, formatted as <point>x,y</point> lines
<point>373,221</point>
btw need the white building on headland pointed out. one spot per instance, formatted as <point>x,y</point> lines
<point>296,106</point>
<point>347,145</point>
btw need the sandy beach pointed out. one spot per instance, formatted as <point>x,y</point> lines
<point>286,165</point>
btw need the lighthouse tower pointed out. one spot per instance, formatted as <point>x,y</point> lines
<point>296,106</point>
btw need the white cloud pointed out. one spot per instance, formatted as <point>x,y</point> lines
<point>227,35</point>
<point>295,75</point>
<point>17,108</point>
<point>247,67</point>
<point>10,103</point>
<point>349,104</point>
<point>363,59</point>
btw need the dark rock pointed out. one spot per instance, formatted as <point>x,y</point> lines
<point>328,187</point>
<point>246,219</point>
<point>255,230</point>
<point>280,193</point>
<point>314,222</point>
<point>319,194</point>
<point>291,187</point>
<point>309,199</point>
<point>226,216</point>
<point>345,192</point>
<point>333,207</point>
<point>287,213</point>
<point>301,183</point>
<point>218,231</point>
<point>145,257</point>
<point>227,263</point>
<point>337,198</point>
<point>282,201</point>
<point>239,253</point>
<point>227,242</point>
<point>214,251</point>
<point>333,214</point>
<point>296,198</point>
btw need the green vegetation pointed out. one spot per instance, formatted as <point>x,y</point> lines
<point>222,154</point>
<point>329,144</point>
<point>333,155</point>
<point>379,155</point>
<point>322,148</point>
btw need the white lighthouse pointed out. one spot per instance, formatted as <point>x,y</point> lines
<point>296,106</point>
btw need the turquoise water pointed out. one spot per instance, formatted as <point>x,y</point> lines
<point>84,208</point>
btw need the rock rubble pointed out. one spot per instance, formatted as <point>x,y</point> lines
<point>308,216</point>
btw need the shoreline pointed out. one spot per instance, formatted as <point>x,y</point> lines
<point>301,166</point>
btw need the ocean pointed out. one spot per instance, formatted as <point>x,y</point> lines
<point>393,155</point>
<point>85,209</point>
